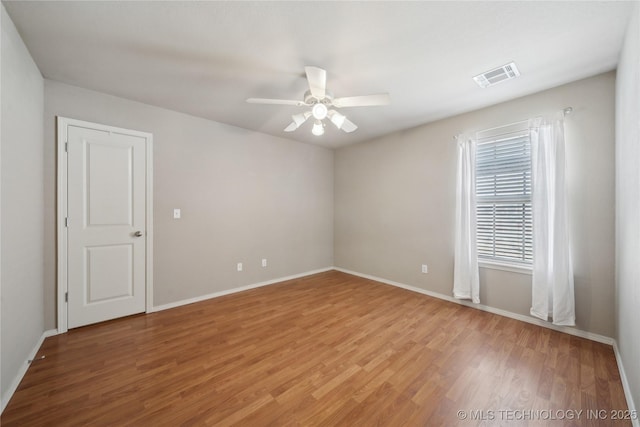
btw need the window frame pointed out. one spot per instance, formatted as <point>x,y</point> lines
<point>493,136</point>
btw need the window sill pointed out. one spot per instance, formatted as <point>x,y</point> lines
<point>505,266</point>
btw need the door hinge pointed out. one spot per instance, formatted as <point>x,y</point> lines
<point>66,147</point>
<point>66,297</point>
<point>66,221</point>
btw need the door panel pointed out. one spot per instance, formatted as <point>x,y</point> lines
<point>109,185</point>
<point>106,207</point>
<point>103,282</point>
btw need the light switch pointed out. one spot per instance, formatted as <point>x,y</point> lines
<point>176,214</point>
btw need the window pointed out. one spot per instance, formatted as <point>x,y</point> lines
<point>503,198</point>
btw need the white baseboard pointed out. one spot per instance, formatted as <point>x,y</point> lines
<point>235,290</point>
<point>23,369</point>
<point>534,321</point>
<point>625,386</point>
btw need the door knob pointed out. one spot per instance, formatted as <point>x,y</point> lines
<point>138,233</point>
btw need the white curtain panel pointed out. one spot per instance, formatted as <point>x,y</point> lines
<point>465,277</point>
<point>552,284</point>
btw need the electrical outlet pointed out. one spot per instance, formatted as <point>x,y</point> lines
<point>176,214</point>
<point>425,269</point>
<point>239,267</point>
<point>264,262</point>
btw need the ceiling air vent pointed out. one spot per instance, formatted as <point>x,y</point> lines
<point>497,75</point>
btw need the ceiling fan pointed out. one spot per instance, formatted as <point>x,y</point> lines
<point>322,102</point>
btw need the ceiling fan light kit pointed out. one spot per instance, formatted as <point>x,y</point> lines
<point>318,128</point>
<point>319,111</point>
<point>319,99</point>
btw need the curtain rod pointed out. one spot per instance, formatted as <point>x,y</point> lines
<point>565,112</point>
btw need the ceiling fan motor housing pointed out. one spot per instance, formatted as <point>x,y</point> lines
<point>310,99</point>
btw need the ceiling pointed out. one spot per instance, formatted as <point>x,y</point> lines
<point>206,58</point>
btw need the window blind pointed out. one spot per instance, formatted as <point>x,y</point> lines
<point>503,198</point>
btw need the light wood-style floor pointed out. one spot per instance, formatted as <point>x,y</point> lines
<point>329,349</point>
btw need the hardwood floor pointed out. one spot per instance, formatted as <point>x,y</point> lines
<point>328,349</point>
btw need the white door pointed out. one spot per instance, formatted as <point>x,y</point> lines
<point>106,224</point>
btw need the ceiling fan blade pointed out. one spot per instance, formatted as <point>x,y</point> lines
<point>293,126</point>
<point>276,101</point>
<point>362,101</point>
<point>298,120</point>
<point>336,118</point>
<point>341,121</point>
<point>348,126</point>
<point>317,78</point>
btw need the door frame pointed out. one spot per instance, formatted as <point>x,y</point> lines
<point>62,238</point>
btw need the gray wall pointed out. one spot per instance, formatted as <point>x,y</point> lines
<point>21,204</point>
<point>394,202</point>
<point>244,196</point>
<point>628,205</point>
